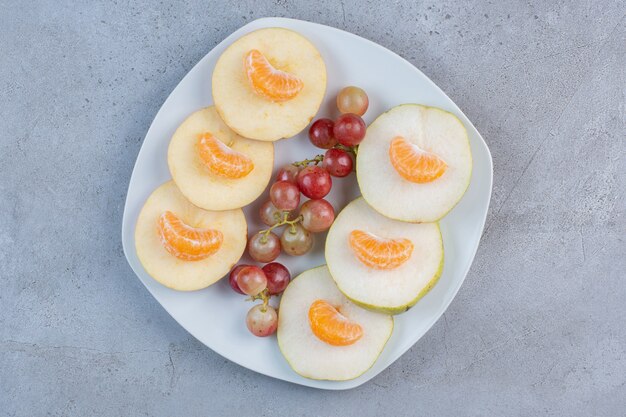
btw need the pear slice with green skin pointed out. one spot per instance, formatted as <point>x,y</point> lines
<point>254,116</point>
<point>431,129</point>
<point>313,358</point>
<point>390,291</point>
<point>403,309</point>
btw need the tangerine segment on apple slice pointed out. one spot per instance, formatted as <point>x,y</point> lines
<point>332,327</point>
<point>186,242</point>
<point>380,253</point>
<point>269,82</point>
<point>415,164</point>
<point>222,160</point>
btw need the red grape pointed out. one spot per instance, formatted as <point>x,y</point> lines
<point>262,320</point>
<point>288,173</point>
<point>317,215</point>
<point>337,162</point>
<point>352,100</point>
<point>264,248</point>
<point>296,240</point>
<point>314,182</point>
<point>251,280</point>
<point>321,134</point>
<point>278,277</point>
<point>232,278</point>
<point>285,195</point>
<point>349,129</point>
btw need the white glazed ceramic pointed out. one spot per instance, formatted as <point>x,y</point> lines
<point>216,315</point>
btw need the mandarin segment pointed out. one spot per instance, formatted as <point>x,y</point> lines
<point>332,327</point>
<point>222,160</point>
<point>380,253</point>
<point>415,164</point>
<point>186,242</point>
<point>269,82</point>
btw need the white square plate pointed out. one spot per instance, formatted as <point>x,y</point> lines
<point>216,315</point>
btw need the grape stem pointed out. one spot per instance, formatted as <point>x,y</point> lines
<point>263,295</point>
<point>285,220</point>
<point>316,160</point>
<point>351,149</point>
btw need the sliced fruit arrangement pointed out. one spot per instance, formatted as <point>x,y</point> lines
<point>323,335</point>
<point>215,168</point>
<point>413,164</point>
<point>183,246</point>
<point>380,263</point>
<point>423,163</point>
<point>269,84</point>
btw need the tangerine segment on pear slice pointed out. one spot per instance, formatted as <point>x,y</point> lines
<point>269,82</point>
<point>210,172</point>
<point>359,230</point>
<point>431,129</point>
<point>313,357</point>
<point>413,163</point>
<point>172,271</point>
<point>222,160</point>
<point>186,242</point>
<point>380,253</point>
<point>270,111</point>
<point>330,326</point>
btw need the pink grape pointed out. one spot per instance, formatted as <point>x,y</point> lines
<point>349,129</point>
<point>269,214</point>
<point>296,240</point>
<point>352,100</point>
<point>317,215</point>
<point>278,277</point>
<point>337,162</point>
<point>314,182</point>
<point>262,320</point>
<point>264,248</point>
<point>285,195</point>
<point>251,280</point>
<point>321,134</point>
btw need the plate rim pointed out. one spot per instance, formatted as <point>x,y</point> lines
<point>265,22</point>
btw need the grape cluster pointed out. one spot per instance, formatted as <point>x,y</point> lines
<point>260,283</point>
<point>311,178</point>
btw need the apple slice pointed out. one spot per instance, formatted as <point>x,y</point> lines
<point>226,234</point>
<point>269,84</point>
<point>215,168</point>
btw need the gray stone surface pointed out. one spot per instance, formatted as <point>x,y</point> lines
<point>538,327</point>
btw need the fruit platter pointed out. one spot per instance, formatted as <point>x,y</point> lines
<point>306,203</point>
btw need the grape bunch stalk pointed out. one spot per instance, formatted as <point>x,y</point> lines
<point>311,178</point>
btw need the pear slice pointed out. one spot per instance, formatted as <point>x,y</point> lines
<point>305,352</point>
<point>176,273</point>
<point>392,290</point>
<point>433,131</point>
<point>204,188</point>
<point>253,115</point>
